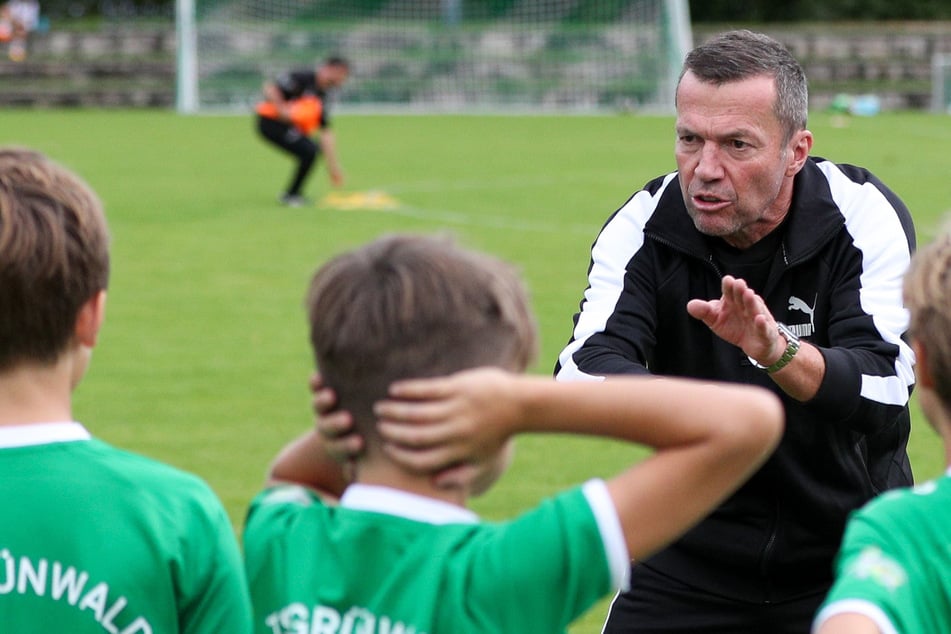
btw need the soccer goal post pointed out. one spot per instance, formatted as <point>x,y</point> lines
<point>941,83</point>
<point>439,55</point>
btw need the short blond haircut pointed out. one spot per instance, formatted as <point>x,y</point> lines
<point>407,306</point>
<point>54,255</point>
<point>927,291</point>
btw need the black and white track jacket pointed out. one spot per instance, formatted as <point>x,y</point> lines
<point>836,281</point>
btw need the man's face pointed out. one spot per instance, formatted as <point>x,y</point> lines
<point>332,76</point>
<point>736,174</point>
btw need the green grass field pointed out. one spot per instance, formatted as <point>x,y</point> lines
<point>203,361</point>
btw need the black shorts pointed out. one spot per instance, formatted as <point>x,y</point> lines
<point>289,138</point>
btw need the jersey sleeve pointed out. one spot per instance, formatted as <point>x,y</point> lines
<point>268,516</point>
<point>612,535</point>
<point>615,329</point>
<point>869,365</point>
<point>871,578</point>
<point>541,571</point>
<point>214,593</point>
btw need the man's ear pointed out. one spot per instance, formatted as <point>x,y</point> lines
<point>90,318</point>
<point>922,373</point>
<point>800,146</point>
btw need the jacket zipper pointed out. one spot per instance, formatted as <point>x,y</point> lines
<point>767,552</point>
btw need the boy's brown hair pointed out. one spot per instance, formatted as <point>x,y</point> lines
<point>927,290</point>
<point>54,255</point>
<point>407,306</point>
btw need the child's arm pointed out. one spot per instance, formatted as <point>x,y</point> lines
<point>306,461</point>
<point>320,459</point>
<point>708,437</point>
<point>849,623</point>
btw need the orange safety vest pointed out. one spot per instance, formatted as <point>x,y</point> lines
<point>305,112</point>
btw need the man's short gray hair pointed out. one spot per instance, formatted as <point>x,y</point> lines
<point>737,55</point>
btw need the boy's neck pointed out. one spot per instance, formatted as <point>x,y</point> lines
<point>35,394</point>
<point>384,473</point>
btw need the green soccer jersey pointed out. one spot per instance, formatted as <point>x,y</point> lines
<point>97,540</point>
<point>389,562</point>
<point>895,562</point>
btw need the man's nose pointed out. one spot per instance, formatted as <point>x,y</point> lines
<point>709,165</point>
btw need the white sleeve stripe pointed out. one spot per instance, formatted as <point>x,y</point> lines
<point>620,239</point>
<point>875,228</point>
<point>855,606</point>
<point>609,525</point>
<point>570,371</point>
<point>889,390</point>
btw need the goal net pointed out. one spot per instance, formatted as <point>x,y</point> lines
<point>941,83</point>
<point>439,55</point>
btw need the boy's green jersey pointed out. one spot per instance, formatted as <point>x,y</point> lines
<point>895,562</point>
<point>94,539</point>
<point>386,561</point>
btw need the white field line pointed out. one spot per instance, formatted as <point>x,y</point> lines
<point>509,182</point>
<point>481,219</point>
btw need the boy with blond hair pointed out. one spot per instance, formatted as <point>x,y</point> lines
<point>398,551</point>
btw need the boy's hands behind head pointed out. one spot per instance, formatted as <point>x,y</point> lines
<point>456,426</point>
<point>335,427</point>
<point>452,427</point>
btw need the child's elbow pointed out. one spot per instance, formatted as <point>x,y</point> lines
<point>758,426</point>
<point>766,422</point>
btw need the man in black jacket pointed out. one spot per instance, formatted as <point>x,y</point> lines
<point>757,263</point>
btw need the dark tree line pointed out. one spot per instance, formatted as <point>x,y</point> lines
<point>817,10</point>
<point>583,11</point>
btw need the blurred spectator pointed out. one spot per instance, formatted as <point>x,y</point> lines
<point>18,18</point>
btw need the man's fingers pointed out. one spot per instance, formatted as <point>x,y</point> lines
<point>699,309</point>
<point>764,326</point>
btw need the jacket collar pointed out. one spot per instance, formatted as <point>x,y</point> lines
<point>813,218</point>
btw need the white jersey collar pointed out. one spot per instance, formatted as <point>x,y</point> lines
<point>41,434</point>
<point>380,499</point>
